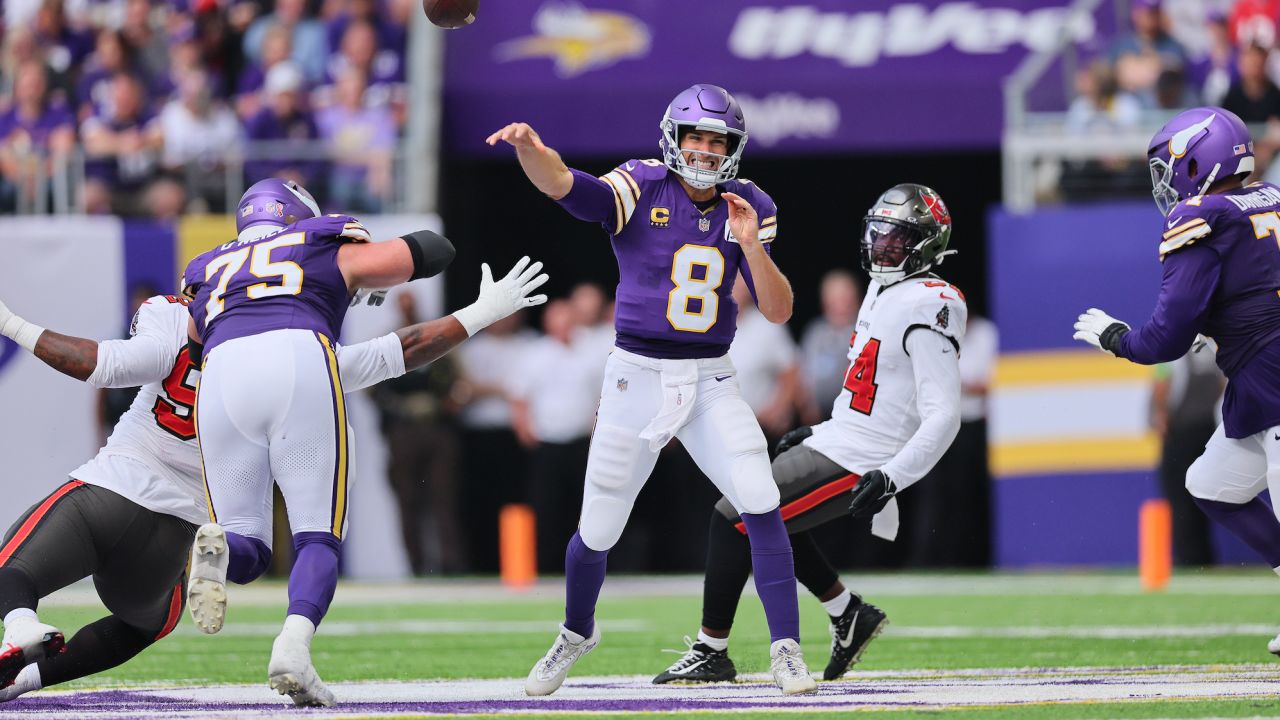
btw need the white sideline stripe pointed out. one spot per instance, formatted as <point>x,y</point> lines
<point>1104,632</point>
<point>587,695</point>
<point>422,627</point>
<point>941,632</point>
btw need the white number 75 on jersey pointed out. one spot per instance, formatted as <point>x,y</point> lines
<point>260,264</point>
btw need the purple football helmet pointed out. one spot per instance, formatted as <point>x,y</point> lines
<point>274,202</point>
<point>710,108</point>
<point>1194,150</point>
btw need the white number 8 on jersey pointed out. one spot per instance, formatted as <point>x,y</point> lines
<point>697,271</point>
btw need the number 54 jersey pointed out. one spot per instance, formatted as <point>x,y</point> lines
<point>875,414</point>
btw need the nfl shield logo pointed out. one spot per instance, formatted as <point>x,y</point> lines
<point>622,384</point>
<point>704,224</point>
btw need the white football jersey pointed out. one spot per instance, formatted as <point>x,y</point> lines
<point>876,413</point>
<point>152,456</point>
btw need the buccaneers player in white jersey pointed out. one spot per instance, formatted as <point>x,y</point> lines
<point>897,414</point>
<point>127,517</point>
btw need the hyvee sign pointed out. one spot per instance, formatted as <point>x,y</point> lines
<point>829,75</point>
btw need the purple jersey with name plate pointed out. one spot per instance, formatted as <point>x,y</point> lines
<point>286,281</point>
<point>1221,256</point>
<point>677,263</point>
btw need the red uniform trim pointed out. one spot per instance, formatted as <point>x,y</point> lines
<point>175,609</point>
<point>812,499</point>
<point>34,519</point>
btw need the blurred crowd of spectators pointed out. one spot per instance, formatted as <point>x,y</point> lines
<point>1175,55</point>
<point>157,93</point>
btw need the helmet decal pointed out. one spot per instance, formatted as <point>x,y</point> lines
<point>1181,140</point>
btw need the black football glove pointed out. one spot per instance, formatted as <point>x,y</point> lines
<point>792,439</point>
<point>871,494</point>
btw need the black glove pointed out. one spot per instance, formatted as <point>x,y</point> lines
<point>792,439</point>
<point>871,494</point>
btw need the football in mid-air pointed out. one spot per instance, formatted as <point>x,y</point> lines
<point>450,14</point>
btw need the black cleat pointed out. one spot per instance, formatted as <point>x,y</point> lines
<point>851,633</point>
<point>700,664</point>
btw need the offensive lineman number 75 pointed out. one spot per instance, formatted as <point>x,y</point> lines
<point>261,265</point>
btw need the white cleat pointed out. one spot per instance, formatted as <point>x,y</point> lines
<point>550,672</point>
<point>291,673</point>
<point>788,668</point>
<point>27,641</point>
<point>1273,646</point>
<point>207,584</point>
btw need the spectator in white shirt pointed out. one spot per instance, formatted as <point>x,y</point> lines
<point>768,366</point>
<point>824,347</point>
<point>197,132</point>
<point>553,407</point>
<point>493,461</point>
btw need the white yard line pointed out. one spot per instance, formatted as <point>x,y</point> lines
<point>551,589</point>
<point>929,632</point>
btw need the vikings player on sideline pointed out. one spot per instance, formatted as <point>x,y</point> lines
<point>897,414</point>
<point>682,229</point>
<point>267,308</point>
<point>1221,276</point>
<point>127,517</point>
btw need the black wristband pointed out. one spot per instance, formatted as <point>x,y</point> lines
<point>1111,337</point>
<point>431,252</point>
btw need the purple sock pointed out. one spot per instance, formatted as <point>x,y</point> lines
<point>1253,523</point>
<point>775,573</point>
<point>249,558</point>
<point>314,576</point>
<point>583,578</point>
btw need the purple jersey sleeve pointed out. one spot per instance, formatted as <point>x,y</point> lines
<point>332,229</point>
<point>1191,277</point>
<point>590,199</point>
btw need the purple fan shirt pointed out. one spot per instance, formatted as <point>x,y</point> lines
<point>302,289</point>
<point>1221,256</point>
<point>677,262</point>
<point>38,129</point>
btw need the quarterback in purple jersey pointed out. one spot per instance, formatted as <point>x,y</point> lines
<point>683,228</point>
<point>1221,280</point>
<point>268,308</point>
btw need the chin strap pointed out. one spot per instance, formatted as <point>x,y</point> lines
<point>1209,180</point>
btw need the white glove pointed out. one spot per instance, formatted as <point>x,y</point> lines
<point>368,297</point>
<point>502,298</point>
<point>1100,330</point>
<point>20,331</point>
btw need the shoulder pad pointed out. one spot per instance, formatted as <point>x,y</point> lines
<point>1189,221</point>
<point>339,228</point>
<point>938,306</point>
<point>627,182</point>
<point>158,311</point>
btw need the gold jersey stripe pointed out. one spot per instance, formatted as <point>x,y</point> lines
<point>1175,230</point>
<point>622,192</point>
<point>769,220</point>
<point>1186,237</point>
<point>635,187</point>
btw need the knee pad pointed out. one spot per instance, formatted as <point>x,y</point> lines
<point>1202,482</point>
<point>754,484</point>
<point>608,495</point>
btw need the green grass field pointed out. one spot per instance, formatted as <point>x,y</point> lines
<point>456,630</point>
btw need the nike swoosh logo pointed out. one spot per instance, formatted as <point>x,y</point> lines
<point>630,167</point>
<point>944,297</point>
<point>847,640</point>
<point>1174,222</point>
<point>691,668</point>
<point>722,378</point>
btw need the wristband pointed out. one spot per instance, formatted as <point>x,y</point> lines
<point>22,332</point>
<point>472,318</point>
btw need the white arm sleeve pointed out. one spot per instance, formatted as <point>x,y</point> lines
<point>157,337</point>
<point>369,363</point>
<point>937,374</point>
